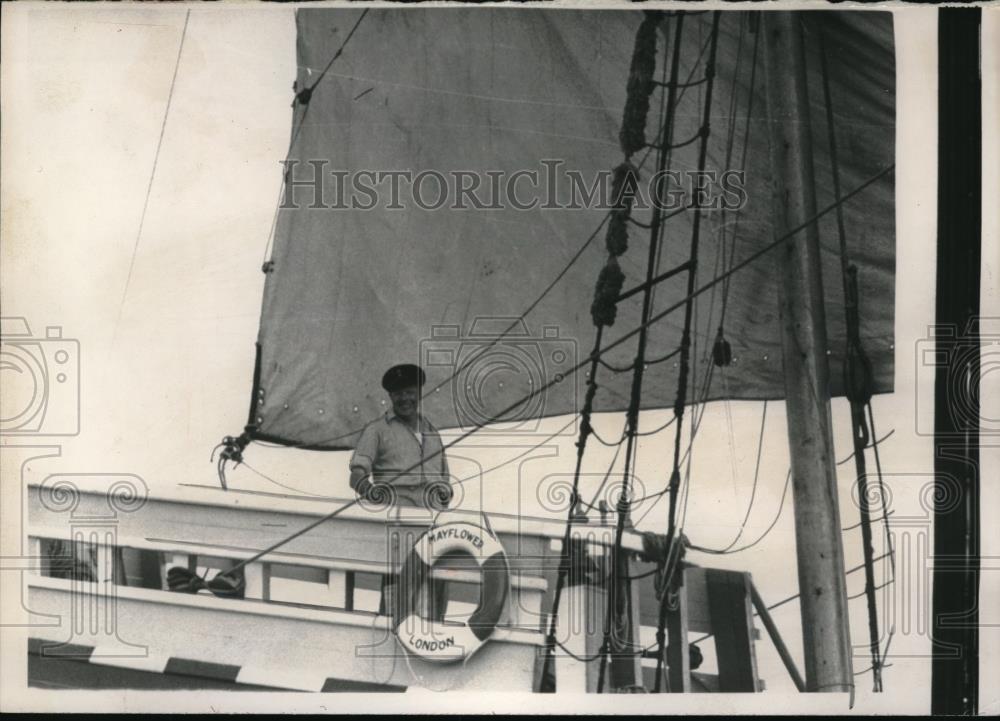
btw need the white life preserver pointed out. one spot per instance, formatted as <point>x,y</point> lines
<point>441,641</point>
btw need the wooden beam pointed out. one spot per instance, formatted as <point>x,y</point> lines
<point>825,630</point>
<point>732,624</point>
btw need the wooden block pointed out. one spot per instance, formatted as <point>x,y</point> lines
<point>678,653</point>
<point>696,590</point>
<point>732,625</point>
<point>699,619</point>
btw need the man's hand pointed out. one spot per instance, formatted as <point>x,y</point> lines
<point>364,488</point>
<point>361,481</point>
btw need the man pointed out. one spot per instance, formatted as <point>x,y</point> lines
<point>403,451</point>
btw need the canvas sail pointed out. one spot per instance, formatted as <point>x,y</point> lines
<point>475,91</point>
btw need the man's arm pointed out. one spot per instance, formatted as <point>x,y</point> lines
<point>363,460</point>
<point>446,491</point>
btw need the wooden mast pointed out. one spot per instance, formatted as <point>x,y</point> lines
<point>826,635</point>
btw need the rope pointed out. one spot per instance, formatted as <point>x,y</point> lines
<point>564,553</point>
<point>873,444</point>
<point>729,550</point>
<point>721,350</point>
<point>611,278</point>
<point>756,475</point>
<point>858,524</point>
<point>455,482</point>
<point>631,366</point>
<point>609,444</point>
<point>669,580</point>
<point>303,97</point>
<point>857,381</point>
<point>881,487</point>
<point>791,598</point>
<point>865,592</point>
<point>600,488</point>
<point>152,173</point>
<point>632,417</point>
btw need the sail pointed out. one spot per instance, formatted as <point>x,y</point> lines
<point>490,292</point>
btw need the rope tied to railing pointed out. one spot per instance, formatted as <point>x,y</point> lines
<point>232,452</point>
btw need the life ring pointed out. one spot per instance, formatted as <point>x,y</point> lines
<point>441,641</point>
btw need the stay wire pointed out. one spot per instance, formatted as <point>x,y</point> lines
<point>152,172</point>
<point>305,93</point>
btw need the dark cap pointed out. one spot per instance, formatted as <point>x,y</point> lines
<point>403,376</point>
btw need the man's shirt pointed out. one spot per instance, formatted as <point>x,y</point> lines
<point>388,446</point>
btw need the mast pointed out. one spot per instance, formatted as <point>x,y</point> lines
<point>825,631</point>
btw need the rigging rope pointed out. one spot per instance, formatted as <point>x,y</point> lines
<point>152,172</point>
<point>721,351</point>
<point>302,97</point>
<point>619,587</point>
<point>638,367</point>
<point>791,598</point>
<point>609,283</point>
<point>590,504</point>
<point>668,581</point>
<point>729,550</point>
<point>858,381</point>
<point>756,476</point>
<point>873,444</point>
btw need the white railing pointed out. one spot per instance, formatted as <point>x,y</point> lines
<point>323,584</point>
